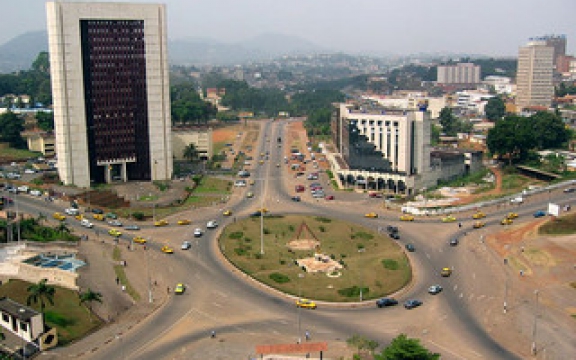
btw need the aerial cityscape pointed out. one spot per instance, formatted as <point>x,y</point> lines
<point>233,186</point>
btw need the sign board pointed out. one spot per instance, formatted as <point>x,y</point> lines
<point>554,209</point>
<point>291,348</point>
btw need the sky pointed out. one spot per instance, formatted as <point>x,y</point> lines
<point>400,27</point>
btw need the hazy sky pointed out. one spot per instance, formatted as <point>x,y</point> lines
<point>491,27</point>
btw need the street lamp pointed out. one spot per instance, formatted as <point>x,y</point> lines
<point>150,299</point>
<point>535,326</point>
<point>300,276</point>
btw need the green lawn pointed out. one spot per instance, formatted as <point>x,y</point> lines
<point>372,261</point>
<point>71,319</point>
<point>18,154</point>
<point>213,185</point>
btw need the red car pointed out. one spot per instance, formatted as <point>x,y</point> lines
<point>375,195</point>
<point>300,188</point>
<point>329,197</point>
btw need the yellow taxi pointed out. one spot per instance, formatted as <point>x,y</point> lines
<point>306,304</point>
<point>506,221</point>
<point>179,289</point>
<point>249,194</point>
<point>511,215</point>
<point>98,217</point>
<point>167,249</point>
<point>478,224</point>
<point>371,215</point>
<point>59,216</point>
<point>448,218</point>
<point>79,217</point>
<point>445,272</point>
<point>479,215</point>
<point>407,217</point>
<point>114,232</point>
<point>161,223</point>
<point>139,240</point>
<point>227,213</point>
<point>184,222</point>
<point>261,162</point>
<point>251,182</point>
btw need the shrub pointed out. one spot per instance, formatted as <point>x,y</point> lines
<point>322,228</point>
<point>363,235</point>
<point>360,246</point>
<point>291,228</point>
<point>323,219</point>
<point>240,251</point>
<point>138,215</point>
<point>236,235</point>
<point>258,256</point>
<point>279,278</point>
<point>390,264</point>
<point>266,231</point>
<point>282,262</point>
<point>247,239</point>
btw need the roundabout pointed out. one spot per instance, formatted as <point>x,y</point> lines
<point>317,257</point>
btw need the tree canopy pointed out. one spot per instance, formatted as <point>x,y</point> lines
<point>40,293</point>
<point>188,107</point>
<point>451,124</point>
<point>404,348</point>
<point>10,128</point>
<point>34,82</point>
<point>495,109</point>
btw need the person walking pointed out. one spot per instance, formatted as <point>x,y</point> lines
<point>307,335</point>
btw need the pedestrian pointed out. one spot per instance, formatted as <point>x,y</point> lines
<point>168,290</point>
<point>521,272</point>
<point>123,288</point>
<point>307,335</point>
<point>213,334</point>
<point>117,280</point>
<point>459,224</point>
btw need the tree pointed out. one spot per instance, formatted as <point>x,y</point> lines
<point>88,297</point>
<point>45,120</point>
<point>552,132</point>
<point>404,348</point>
<point>41,292</point>
<point>11,126</point>
<point>191,152</point>
<point>511,137</point>
<point>448,122</point>
<point>495,109</point>
<point>362,344</point>
<point>62,228</point>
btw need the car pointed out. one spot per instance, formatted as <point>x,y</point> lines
<point>59,216</point>
<point>277,164</point>
<point>249,194</point>
<point>434,289</point>
<point>394,235</point>
<point>412,303</point>
<point>478,224</point>
<point>79,217</point>
<point>306,304</point>
<point>23,188</point>
<point>329,197</point>
<point>318,194</point>
<point>445,272</point>
<point>407,217</point>
<point>111,215</point>
<point>448,218</point>
<point>227,212</point>
<point>86,223</point>
<point>184,222</point>
<point>251,182</point>
<point>35,193</point>
<point>186,245</point>
<point>198,232</point>
<point>374,195</point>
<point>386,302</point>
<point>167,249</point>
<point>212,224</point>
<point>479,215</point>
<point>114,223</point>
<point>454,242</point>
<point>72,211</point>
<point>410,247</point>
<point>161,223</point>
<point>517,200</point>
<point>256,213</point>
<point>132,227</point>
<point>240,183</point>
<point>114,233</point>
<point>98,217</point>
<point>179,289</point>
<point>97,211</point>
<point>506,221</point>
<point>569,190</point>
<point>371,215</point>
<point>139,240</point>
<point>29,171</point>
<point>392,229</point>
<point>299,188</point>
<point>243,173</point>
<point>511,215</point>
<point>295,198</point>
<point>260,161</point>
<point>539,213</point>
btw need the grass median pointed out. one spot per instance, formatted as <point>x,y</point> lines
<point>371,261</point>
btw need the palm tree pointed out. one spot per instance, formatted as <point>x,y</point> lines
<point>41,292</point>
<point>88,297</point>
<point>62,228</point>
<point>191,153</point>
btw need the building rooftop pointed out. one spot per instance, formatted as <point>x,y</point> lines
<point>17,310</point>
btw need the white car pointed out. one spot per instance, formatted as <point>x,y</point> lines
<point>86,223</point>
<point>29,171</point>
<point>198,232</point>
<point>240,183</point>
<point>114,223</point>
<point>23,188</point>
<point>186,245</point>
<point>72,211</point>
<point>36,193</point>
<point>212,224</point>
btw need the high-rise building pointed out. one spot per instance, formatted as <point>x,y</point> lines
<point>461,73</point>
<point>534,77</point>
<point>110,87</point>
<point>558,42</point>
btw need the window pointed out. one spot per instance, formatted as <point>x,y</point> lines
<point>5,318</point>
<point>23,326</point>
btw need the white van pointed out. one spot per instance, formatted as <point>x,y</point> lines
<point>72,211</point>
<point>86,223</point>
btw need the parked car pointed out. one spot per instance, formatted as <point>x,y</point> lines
<point>58,216</point>
<point>478,224</point>
<point>114,233</point>
<point>198,232</point>
<point>374,195</point>
<point>448,218</point>
<point>407,217</point>
<point>506,221</point>
<point>212,224</point>
<point>410,247</point>
<point>386,302</point>
<point>72,211</point>
<point>434,289</point>
<point>296,198</point>
<point>454,242</point>
<point>371,215</point>
<point>412,303</point>
<point>329,197</point>
<point>569,190</point>
<point>97,211</point>
<point>36,193</point>
<point>186,245</point>
<point>184,222</point>
<point>227,212</point>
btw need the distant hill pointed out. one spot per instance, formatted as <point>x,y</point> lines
<point>20,52</point>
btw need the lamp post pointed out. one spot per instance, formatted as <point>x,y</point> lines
<point>300,276</point>
<point>150,299</point>
<point>535,326</point>
<point>506,294</point>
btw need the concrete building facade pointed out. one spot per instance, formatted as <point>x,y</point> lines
<point>534,85</point>
<point>461,73</point>
<point>110,87</point>
<point>200,137</point>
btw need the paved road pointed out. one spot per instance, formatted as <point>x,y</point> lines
<point>219,299</point>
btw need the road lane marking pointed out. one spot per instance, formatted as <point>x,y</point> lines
<point>446,349</point>
<point>455,287</point>
<point>461,295</point>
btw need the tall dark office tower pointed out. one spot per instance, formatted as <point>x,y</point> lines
<point>110,87</point>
